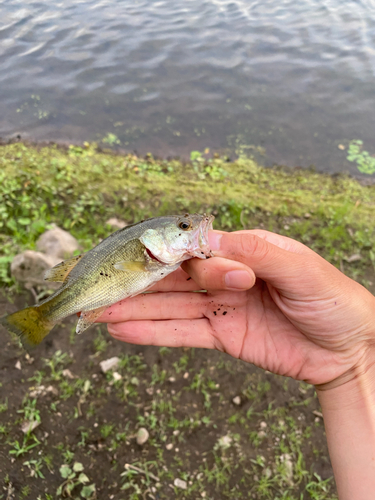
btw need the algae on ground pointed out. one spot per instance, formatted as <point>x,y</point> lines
<point>79,188</point>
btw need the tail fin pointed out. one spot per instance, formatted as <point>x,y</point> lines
<point>31,325</point>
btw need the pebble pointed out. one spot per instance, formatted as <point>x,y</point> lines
<point>109,364</point>
<point>142,436</point>
<point>29,426</point>
<point>68,374</point>
<point>186,375</point>
<point>116,376</point>
<point>169,446</point>
<point>236,400</point>
<point>18,365</point>
<point>180,483</point>
<point>263,425</point>
<point>225,441</point>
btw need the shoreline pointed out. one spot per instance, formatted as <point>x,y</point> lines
<point>81,187</point>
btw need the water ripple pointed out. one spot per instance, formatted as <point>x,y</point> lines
<point>296,77</point>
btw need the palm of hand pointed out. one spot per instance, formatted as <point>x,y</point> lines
<point>250,326</point>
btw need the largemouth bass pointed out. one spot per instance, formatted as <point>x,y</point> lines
<point>123,265</point>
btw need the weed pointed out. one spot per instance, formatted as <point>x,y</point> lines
<point>365,161</point>
<point>75,479</point>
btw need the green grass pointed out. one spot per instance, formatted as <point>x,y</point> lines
<point>79,188</point>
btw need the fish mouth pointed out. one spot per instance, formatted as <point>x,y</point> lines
<point>201,247</point>
<point>152,256</point>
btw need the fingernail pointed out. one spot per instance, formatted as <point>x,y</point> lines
<point>240,280</point>
<point>112,329</point>
<point>214,240</point>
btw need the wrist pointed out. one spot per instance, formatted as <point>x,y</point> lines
<point>355,389</point>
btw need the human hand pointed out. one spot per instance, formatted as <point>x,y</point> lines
<point>302,318</point>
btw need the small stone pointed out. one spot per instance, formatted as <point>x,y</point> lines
<point>286,227</point>
<point>180,483</point>
<point>261,434</point>
<point>341,146</point>
<point>109,364</point>
<point>169,446</point>
<point>186,375</point>
<point>225,441</point>
<point>58,243</point>
<point>18,365</point>
<point>307,215</point>
<point>68,374</point>
<point>150,391</point>
<point>142,436</point>
<point>263,425</point>
<point>53,390</point>
<point>116,376</point>
<point>29,426</point>
<point>116,223</point>
<point>176,432</point>
<point>236,400</point>
<point>172,379</point>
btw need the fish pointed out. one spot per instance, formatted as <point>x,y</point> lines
<point>126,263</point>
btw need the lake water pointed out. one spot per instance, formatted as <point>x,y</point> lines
<point>288,81</point>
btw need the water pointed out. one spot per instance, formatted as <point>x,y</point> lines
<point>294,78</point>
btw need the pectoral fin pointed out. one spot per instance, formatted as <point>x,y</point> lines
<point>87,318</point>
<point>132,266</point>
<point>62,270</point>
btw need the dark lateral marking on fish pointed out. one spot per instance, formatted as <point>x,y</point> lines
<point>189,278</point>
<point>110,313</point>
<point>219,309</point>
<point>224,313</point>
<point>215,313</point>
<point>234,308</point>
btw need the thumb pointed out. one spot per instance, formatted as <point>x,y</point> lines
<point>276,259</point>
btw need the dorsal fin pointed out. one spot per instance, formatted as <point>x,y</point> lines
<point>61,271</point>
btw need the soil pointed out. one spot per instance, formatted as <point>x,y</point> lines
<point>183,397</point>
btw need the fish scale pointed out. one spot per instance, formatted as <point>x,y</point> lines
<point>125,264</point>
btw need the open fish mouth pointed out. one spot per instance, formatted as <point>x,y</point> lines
<point>201,247</point>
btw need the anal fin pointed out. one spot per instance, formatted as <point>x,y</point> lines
<point>87,318</point>
<point>61,271</point>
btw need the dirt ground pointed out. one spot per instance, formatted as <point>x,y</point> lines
<point>217,428</point>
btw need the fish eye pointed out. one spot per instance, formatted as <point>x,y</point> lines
<point>185,225</point>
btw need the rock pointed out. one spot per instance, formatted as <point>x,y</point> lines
<point>18,365</point>
<point>142,436</point>
<point>263,425</point>
<point>109,364</point>
<point>29,267</point>
<point>116,223</point>
<point>180,483</point>
<point>236,400</point>
<point>169,446</point>
<point>58,243</point>
<point>29,426</point>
